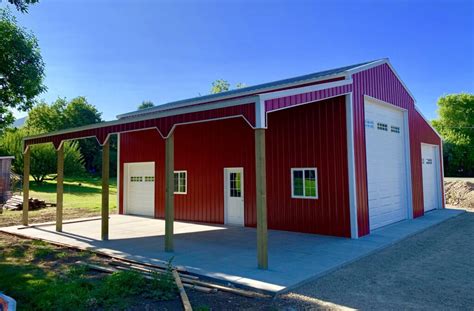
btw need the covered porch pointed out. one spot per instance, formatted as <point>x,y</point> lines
<point>228,253</point>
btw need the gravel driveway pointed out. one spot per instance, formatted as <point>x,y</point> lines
<point>432,270</point>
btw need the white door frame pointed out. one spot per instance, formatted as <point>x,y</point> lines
<point>406,128</point>
<point>226,190</point>
<point>439,194</point>
<point>126,175</point>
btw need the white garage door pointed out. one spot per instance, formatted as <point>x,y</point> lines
<point>430,176</point>
<point>140,188</point>
<point>386,170</point>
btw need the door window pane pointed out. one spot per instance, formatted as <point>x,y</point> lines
<point>235,184</point>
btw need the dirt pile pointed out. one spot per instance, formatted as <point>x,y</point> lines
<point>459,193</point>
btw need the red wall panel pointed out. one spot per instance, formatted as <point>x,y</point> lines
<point>380,82</point>
<point>312,135</point>
<point>203,150</point>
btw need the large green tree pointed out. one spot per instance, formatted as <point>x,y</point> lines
<point>43,157</point>
<point>21,69</point>
<point>22,5</point>
<point>63,114</point>
<point>456,126</point>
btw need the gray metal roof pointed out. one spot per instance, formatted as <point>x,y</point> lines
<point>246,90</point>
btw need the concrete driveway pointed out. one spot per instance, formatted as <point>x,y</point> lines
<point>433,270</point>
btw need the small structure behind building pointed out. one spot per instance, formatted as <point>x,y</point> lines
<point>5,181</point>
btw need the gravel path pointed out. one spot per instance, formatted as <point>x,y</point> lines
<point>433,270</point>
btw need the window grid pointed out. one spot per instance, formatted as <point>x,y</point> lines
<point>180,182</point>
<point>369,124</point>
<point>382,126</point>
<point>136,178</point>
<point>304,183</point>
<point>149,178</point>
<point>236,185</point>
<point>395,129</point>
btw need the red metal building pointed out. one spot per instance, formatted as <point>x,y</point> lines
<point>346,151</point>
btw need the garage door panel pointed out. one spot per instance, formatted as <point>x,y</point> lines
<point>140,188</point>
<point>386,166</point>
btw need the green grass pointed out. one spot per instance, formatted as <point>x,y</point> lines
<point>79,192</point>
<point>44,277</point>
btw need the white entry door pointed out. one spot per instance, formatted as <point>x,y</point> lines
<point>386,164</point>
<point>139,194</point>
<point>234,196</point>
<point>430,176</point>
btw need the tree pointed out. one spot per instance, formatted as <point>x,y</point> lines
<point>21,69</point>
<point>222,85</point>
<point>146,104</point>
<point>62,114</point>
<point>43,156</point>
<point>456,126</point>
<point>22,5</point>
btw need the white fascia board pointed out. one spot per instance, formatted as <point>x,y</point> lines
<point>428,122</point>
<point>226,97</point>
<point>155,115</point>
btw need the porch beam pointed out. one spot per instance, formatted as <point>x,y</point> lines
<point>169,196</point>
<point>261,196</point>
<point>105,190</point>
<point>60,189</point>
<point>26,184</point>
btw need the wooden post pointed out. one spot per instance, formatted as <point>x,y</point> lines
<point>261,192</point>
<point>169,197</point>
<point>60,189</point>
<point>26,184</point>
<point>105,190</point>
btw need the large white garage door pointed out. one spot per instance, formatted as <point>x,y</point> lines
<point>139,189</point>
<point>430,176</point>
<point>386,170</point>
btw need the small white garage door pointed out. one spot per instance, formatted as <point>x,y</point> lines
<point>430,176</point>
<point>386,170</point>
<point>139,194</point>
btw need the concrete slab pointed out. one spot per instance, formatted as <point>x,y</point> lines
<point>229,253</point>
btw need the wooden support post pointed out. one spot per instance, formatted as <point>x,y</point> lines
<point>261,192</point>
<point>169,197</point>
<point>26,184</point>
<point>105,190</point>
<point>60,189</point>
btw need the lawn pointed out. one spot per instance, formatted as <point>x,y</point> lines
<point>41,276</point>
<point>82,198</point>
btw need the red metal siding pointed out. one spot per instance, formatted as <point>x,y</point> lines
<point>312,135</point>
<point>203,150</point>
<point>144,146</point>
<point>380,82</point>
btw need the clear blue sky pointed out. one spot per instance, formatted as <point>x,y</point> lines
<point>118,53</point>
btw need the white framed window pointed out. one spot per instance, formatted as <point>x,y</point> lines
<point>394,129</point>
<point>180,182</point>
<point>304,183</point>
<point>369,124</point>
<point>382,126</point>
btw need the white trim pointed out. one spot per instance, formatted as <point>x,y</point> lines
<point>351,167</point>
<point>293,196</point>
<point>442,175</point>
<point>167,113</point>
<point>118,182</point>
<point>383,103</point>
<point>227,190</point>
<point>170,106</point>
<point>7,157</point>
<point>428,122</point>
<point>185,182</point>
<point>440,186</point>
<point>260,114</point>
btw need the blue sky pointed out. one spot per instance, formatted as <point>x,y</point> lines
<point>118,53</point>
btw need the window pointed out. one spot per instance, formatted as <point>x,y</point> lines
<point>369,124</point>
<point>235,184</point>
<point>180,182</point>
<point>149,178</point>
<point>136,178</point>
<point>382,126</point>
<point>394,129</point>
<point>304,183</point>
